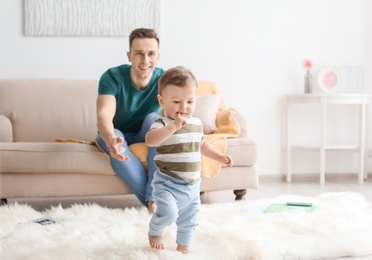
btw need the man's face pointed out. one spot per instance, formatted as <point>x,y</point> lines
<point>144,55</point>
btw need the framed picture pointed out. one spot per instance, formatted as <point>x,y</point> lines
<point>329,80</point>
<point>90,17</point>
<point>352,79</point>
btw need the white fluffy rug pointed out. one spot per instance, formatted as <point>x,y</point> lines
<point>340,226</point>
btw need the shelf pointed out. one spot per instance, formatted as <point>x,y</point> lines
<point>327,147</point>
<point>324,100</point>
<point>349,99</point>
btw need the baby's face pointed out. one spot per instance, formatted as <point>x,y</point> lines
<point>178,101</point>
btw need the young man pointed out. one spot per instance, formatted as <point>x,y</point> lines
<point>126,107</point>
<point>178,137</point>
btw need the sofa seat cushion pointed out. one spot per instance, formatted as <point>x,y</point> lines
<point>51,157</point>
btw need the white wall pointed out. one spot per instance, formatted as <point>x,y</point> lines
<point>252,49</point>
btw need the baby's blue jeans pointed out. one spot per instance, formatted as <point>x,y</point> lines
<point>176,201</point>
<point>133,172</point>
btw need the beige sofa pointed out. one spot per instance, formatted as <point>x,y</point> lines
<point>36,112</point>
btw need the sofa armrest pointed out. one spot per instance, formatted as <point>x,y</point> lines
<point>6,130</point>
<point>243,123</point>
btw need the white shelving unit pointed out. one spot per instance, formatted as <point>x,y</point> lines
<point>324,100</point>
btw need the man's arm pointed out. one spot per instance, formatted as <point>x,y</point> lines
<point>106,108</point>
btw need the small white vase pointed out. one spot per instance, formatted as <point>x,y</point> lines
<point>308,83</point>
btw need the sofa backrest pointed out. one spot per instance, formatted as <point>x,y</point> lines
<point>42,110</point>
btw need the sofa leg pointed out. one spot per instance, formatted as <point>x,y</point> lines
<point>3,201</point>
<point>240,194</point>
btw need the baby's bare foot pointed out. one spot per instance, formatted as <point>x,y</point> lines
<point>156,242</point>
<point>151,206</point>
<point>183,249</point>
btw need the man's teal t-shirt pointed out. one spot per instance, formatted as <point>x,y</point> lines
<point>132,104</point>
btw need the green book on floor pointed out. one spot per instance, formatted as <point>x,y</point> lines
<point>276,207</point>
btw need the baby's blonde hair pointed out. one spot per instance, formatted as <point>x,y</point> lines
<point>178,76</point>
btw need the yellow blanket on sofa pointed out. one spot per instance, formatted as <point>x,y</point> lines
<point>227,127</point>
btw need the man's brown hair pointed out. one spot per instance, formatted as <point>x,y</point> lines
<point>142,33</point>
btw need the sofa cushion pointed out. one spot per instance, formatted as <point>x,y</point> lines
<point>243,123</point>
<point>207,87</point>
<point>52,157</point>
<point>6,131</point>
<point>206,108</point>
<point>42,110</point>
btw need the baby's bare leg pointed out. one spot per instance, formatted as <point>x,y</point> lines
<point>183,249</point>
<point>156,242</point>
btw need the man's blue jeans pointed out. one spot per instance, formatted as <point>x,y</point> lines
<point>133,172</point>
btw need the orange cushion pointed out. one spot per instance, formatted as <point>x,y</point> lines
<point>140,150</point>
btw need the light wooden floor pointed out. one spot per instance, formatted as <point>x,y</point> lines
<point>304,186</point>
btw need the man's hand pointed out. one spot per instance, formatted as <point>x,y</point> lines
<point>115,147</point>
